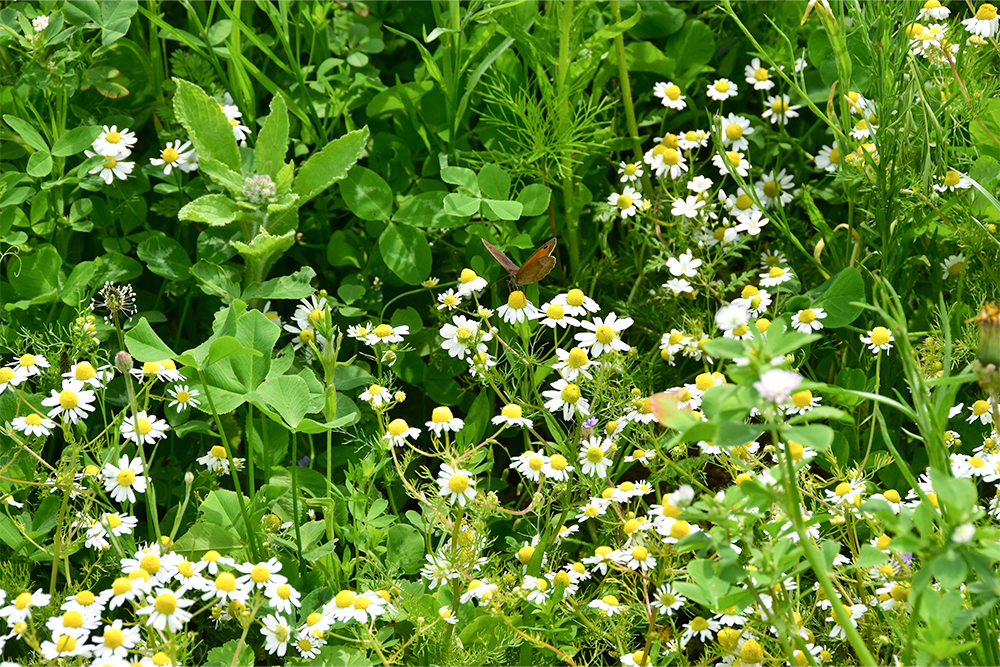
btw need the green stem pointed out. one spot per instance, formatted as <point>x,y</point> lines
<point>295,508</point>
<point>626,88</point>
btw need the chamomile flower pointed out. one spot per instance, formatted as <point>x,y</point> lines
<point>878,339</point>
<point>802,402</point>
<point>608,605</point>
<point>554,315</point>
<point>722,90</point>
<point>684,265</point>
<point>566,397</point>
<point>594,459</point>
<point>777,385</point>
<point>115,641</point>
<point>557,468</point>
<point>953,266</point>
<point>512,415</point>
<point>166,610</point>
<point>174,154</point>
<point>735,130</point>
<point>34,424</point>
<point>670,95</point>
<point>537,589</point>
<point>443,421</point>
<point>751,222</point>
<point>573,364</point>
<point>399,433</point>
<point>932,10</point>
<point>952,181</point>
<point>125,479</point>
<point>144,429</point>
<point>9,378</point>
<point>29,365</point>
<point>387,334</point>
<point>480,590</point>
<point>375,395</point>
<point>530,464</point>
<point>277,633</point>
<point>808,320</point>
<point>260,575</point>
<point>449,300</point>
<point>635,659</point>
<point>217,461</point>
<point>183,397</point>
<point>602,335</point>
<point>985,23</point>
<point>758,76</point>
<point>828,158</point>
<point>775,276</point>
<point>626,202</point>
<point>678,286</point>
<point>517,309</point>
<point>637,558</point>
<point>689,207</point>
<point>112,167</point>
<point>85,372</point>
<point>470,283</point>
<point>456,484</point>
<point>731,159</point>
<point>112,142</point>
<point>594,508</point>
<point>774,188</point>
<point>700,627</point>
<point>20,607</point>
<point>282,597</point>
<point>980,411</point>
<point>629,173</point>
<point>576,303</point>
<point>73,402</point>
<point>463,337</point>
<point>667,600</point>
<point>64,646</point>
<point>778,109</point>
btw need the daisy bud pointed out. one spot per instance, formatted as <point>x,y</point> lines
<point>123,362</point>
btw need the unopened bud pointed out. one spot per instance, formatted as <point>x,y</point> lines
<point>123,362</point>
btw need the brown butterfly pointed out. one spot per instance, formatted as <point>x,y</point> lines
<point>533,270</point>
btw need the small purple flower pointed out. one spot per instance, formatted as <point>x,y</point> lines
<point>590,423</point>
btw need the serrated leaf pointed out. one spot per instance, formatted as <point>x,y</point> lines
<point>222,175</point>
<point>329,165</point>
<point>206,124</point>
<point>272,141</point>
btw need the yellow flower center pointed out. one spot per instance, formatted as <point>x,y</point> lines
<point>361,602</point>
<point>611,427</point>
<point>114,520</point>
<point>110,162</point>
<point>226,582</point>
<point>72,619</point>
<point>595,454</point>
<point>605,334</point>
<point>807,316</point>
<point>536,463</point>
<point>27,360</point>
<point>142,426</point>
<point>441,415</point>
<point>151,367</point>
<point>670,141</point>
<point>575,297</point>
<point>892,495</point>
<point>761,74</point>
<point>113,638</point>
<point>383,331</point>
<point>671,157</point>
<point>463,333</point>
<point>624,202</point>
<point>126,477</point>
<point>450,299</point>
<point>6,375</point>
<point>121,585</point>
<point>398,427</point>
<point>721,86</point>
<point>880,336</point>
<point>986,12</point>
<point>113,137</point>
<point>980,408</point>
<point>733,132</point>
<point>780,106</point>
<point>68,399</point>
<point>802,398</point>
<point>260,574</point>
<point>284,591</point>
<point>631,525</point>
<point>33,419</point>
<point>150,563</point>
<point>375,390</point>
<point>562,578</point>
<point>673,92</point>
<point>168,364</point>
<point>590,511</point>
<point>555,311</point>
<point>524,554</point>
<point>775,272</point>
<point>741,330</point>
<point>912,31</point>
<point>570,393</point>
<point>734,158</point>
<point>512,411</point>
<point>640,553</point>
<point>956,269</point>
<point>752,652</point>
<point>952,178</point>
<point>186,568</point>
<point>796,450</point>
<point>468,275</point>
<point>772,188</point>
<point>170,155</point>
<point>861,125</point>
<point>680,529</point>
<point>577,358</point>
<point>835,155</point>
<point>630,169</point>
<point>65,644</point>
<point>743,202</point>
<point>558,462</point>
<point>165,603</point>
<point>639,657</point>
<point>541,584</point>
<point>610,600</point>
<point>704,381</point>
<point>458,483</point>
<point>517,300</point>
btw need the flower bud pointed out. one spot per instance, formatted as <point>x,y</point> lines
<point>123,362</point>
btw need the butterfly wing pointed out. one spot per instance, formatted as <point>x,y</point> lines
<point>509,266</point>
<point>538,265</point>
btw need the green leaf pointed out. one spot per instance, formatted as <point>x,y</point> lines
<point>116,17</point>
<point>227,346</point>
<point>287,395</point>
<point>225,656</point>
<point>329,165</point>
<point>82,11</point>
<point>264,250</point>
<point>203,537</point>
<point>74,290</point>
<point>461,206</point>
<point>816,436</point>
<point>405,548</point>
<point>222,175</point>
<point>735,434</point>
<point>75,141</point>
<point>39,164</point>
<point>494,182</point>
<point>843,288</point>
<point>28,133</point>
<point>366,194</point>
<point>534,199</point>
<point>206,125</point>
<point>461,176</point>
<point>295,286</point>
<point>214,280</point>
<point>37,275</point>
<point>215,210</point>
<point>143,343</point>
<point>725,348</point>
<point>165,257</point>
<point>406,252</point>
<point>427,210</point>
<point>222,507</point>
<point>255,331</point>
<point>389,100</point>
<point>272,141</point>
<point>496,209</point>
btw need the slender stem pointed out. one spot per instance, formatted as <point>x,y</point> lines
<point>295,507</point>
<point>626,88</point>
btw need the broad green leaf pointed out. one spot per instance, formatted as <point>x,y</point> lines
<point>264,250</point>
<point>37,275</point>
<point>116,17</point>
<point>222,175</point>
<point>735,434</point>
<point>461,206</point>
<point>165,257</point>
<point>329,165</point>
<point>214,280</point>
<point>215,210</point>
<point>225,347</point>
<point>389,100</point>
<point>427,210</point>
<point>461,176</point>
<point>255,331</point>
<point>845,287</point>
<point>39,164</point>
<point>534,199</point>
<point>272,141</point>
<point>226,656</point>
<point>28,133</point>
<point>405,548</point>
<point>496,209</point>
<point>725,348</point>
<point>406,252</point>
<point>222,508</point>
<point>202,537</point>
<point>287,395</point>
<point>646,57</point>
<point>366,194</point>
<point>494,182</point>
<point>816,436</point>
<point>82,11</point>
<point>294,286</point>
<point>206,125</point>
<point>143,343</point>
<point>75,141</point>
<point>74,290</point>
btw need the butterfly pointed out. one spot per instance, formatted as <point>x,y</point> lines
<point>533,270</point>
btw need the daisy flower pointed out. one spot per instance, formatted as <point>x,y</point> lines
<point>779,111</point>
<point>183,397</point>
<point>28,365</point>
<point>456,485</point>
<point>678,286</point>
<point>669,162</point>
<point>636,659</point>
<point>480,590</point>
<point>828,158</point>
<point>777,385</point>
<point>19,609</point>
<point>399,433</point>
<point>557,468</point>
<point>608,605</point>
<point>688,207</point>
<point>952,181</point>
<point>124,480</point>
<point>878,339</point>
<point>511,415</point>
<point>554,315</point>
<point>529,464</point>
<point>73,402</point>
<point>758,76</point>
<point>576,303</point>
<point>566,397</point>
<point>731,317</point>
<point>34,425</point>
<point>517,309</point>
<point>144,429</point>
<point>684,265</point>
<point>9,378</point>
<point>775,276</point>
<point>595,508</point>
<point>112,166</point>
<point>64,646</point>
<point>85,372</point>
<point>735,130</point>
<point>387,334</point>
<point>953,266</point>
<point>217,461</point>
<point>731,159</point>
<point>240,131</point>
<point>174,154</point>
<point>807,320</point>
<point>470,283</point>
<point>773,188</point>
<point>259,575</point>
<point>112,142</point>
<point>166,610</point>
<point>667,600</point>
<point>626,202</point>
<point>463,337</point>
<point>443,421</point>
<point>573,364</point>
<point>802,402</point>
<point>449,300</point>
<point>932,10</point>
<point>594,460</point>
<point>116,641</point>
<point>447,615</point>
<point>603,334</point>
<point>722,90</point>
<point>276,632</point>
<point>985,23</point>
<point>700,627</point>
<point>751,222</point>
<point>375,395</point>
<point>670,95</point>
<point>537,589</point>
<point>629,173</point>
<point>637,558</point>
<point>982,411</point>
<point>282,597</point>
<point>862,130</point>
